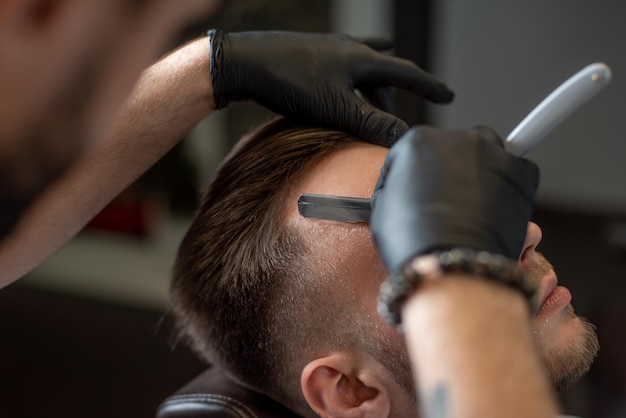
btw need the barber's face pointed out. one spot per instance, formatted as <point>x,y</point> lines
<point>65,68</point>
<point>568,343</point>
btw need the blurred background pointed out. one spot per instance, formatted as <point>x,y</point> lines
<point>86,334</point>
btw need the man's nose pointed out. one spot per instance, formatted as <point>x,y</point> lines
<point>533,238</point>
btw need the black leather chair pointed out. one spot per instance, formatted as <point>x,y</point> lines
<point>213,395</point>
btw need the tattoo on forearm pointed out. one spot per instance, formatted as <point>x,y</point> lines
<point>436,402</point>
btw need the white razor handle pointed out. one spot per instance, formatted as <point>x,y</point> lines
<point>561,103</point>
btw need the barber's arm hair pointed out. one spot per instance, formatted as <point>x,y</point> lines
<point>168,100</point>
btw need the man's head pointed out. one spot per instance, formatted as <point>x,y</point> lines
<point>65,67</point>
<point>286,304</point>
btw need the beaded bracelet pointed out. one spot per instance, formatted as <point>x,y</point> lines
<point>395,291</point>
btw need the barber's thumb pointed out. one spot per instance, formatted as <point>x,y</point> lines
<point>378,127</point>
<point>488,135</point>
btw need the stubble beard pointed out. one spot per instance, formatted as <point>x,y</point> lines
<point>568,361</point>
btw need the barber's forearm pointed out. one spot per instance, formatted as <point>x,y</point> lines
<point>472,346</point>
<point>170,98</point>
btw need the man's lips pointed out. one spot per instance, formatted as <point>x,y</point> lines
<point>553,297</point>
<point>548,284</point>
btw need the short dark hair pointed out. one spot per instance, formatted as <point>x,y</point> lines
<point>238,254</point>
<point>251,291</point>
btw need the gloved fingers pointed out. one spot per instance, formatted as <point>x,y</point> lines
<point>524,171</point>
<point>405,144</point>
<point>379,188</point>
<point>398,72</point>
<point>488,135</point>
<point>374,125</point>
<point>528,168</point>
<point>381,97</point>
<point>531,172</point>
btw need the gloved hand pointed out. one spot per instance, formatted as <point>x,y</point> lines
<point>439,190</point>
<point>312,77</point>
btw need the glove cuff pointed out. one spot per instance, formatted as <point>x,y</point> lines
<point>395,291</point>
<point>216,39</point>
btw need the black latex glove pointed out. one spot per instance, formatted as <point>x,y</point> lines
<point>312,78</point>
<point>438,190</point>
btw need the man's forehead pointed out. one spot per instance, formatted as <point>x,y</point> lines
<point>353,171</point>
<point>350,171</point>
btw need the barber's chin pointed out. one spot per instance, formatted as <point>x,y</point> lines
<point>554,303</point>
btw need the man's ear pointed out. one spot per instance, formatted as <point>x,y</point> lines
<point>343,385</point>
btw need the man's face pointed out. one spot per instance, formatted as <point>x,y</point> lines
<point>353,171</point>
<point>568,343</point>
<point>65,68</point>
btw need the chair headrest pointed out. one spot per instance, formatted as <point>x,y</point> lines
<point>213,394</point>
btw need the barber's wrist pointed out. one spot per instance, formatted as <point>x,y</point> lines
<point>456,262</point>
<point>226,77</point>
<point>461,333</point>
<point>459,299</point>
<point>210,37</point>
